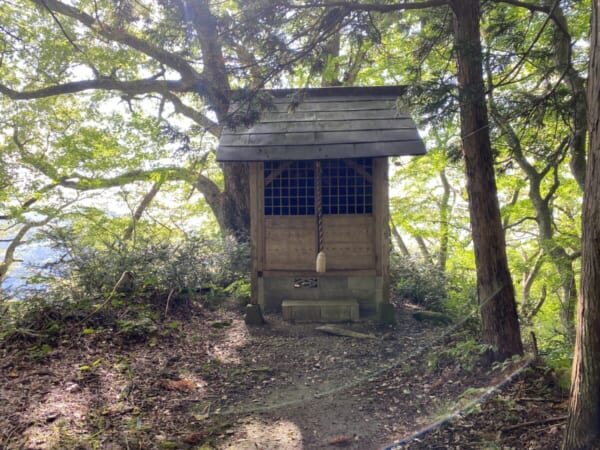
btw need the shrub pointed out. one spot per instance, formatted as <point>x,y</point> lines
<point>418,281</point>
<point>186,267</point>
<point>426,285</point>
<point>154,276</point>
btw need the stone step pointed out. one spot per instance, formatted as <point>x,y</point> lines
<point>320,310</point>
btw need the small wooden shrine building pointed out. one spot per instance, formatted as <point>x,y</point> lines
<point>319,199</point>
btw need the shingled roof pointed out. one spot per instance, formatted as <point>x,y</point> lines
<point>325,123</point>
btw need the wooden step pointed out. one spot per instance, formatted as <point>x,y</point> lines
<point>320,310</point>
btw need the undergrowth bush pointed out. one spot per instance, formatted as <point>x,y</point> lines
<point>184,267</point>
<point>559,357</point>
<point>154,278</point>
<point>426,285</point>
<point>418,281</point>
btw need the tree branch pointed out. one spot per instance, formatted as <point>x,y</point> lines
<point>181,108</point>
<point>537,8</point>
<point>519,222</point>
<point>83,183</point>
<point>213,197</point>
<point>215,70</point>
<point>33,199</point>
<point>9,253</point>
<point>134,87</point>
<point>374,7</point>
<point>137,215</point>
<point>117,35</point>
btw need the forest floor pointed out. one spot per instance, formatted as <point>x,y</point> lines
<point>205,380</point>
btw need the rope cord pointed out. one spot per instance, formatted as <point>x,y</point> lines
<point>319,205</point>
<point>493,390</point>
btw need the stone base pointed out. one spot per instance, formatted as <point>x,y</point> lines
<point>386,314</point>
<point>320,310</point>
<point>254,315</point>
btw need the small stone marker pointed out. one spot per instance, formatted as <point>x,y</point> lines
<point>254,315</point>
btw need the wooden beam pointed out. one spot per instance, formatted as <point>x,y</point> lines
<point>359,169</point>
<point>282,167</point>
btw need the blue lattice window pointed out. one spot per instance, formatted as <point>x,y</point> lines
<point>289,188</point>
<point>346,187</point>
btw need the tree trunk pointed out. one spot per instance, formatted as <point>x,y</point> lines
<point>500,326</point>
<point>235,215</point>
<point>444,222</point>
<point>583,425</point>
<point>559,257</point>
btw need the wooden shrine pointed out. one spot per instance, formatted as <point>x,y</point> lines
<point>319,199</point>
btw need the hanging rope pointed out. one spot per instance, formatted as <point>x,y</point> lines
<point>321,262</point>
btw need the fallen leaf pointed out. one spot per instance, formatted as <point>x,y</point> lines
<point>340,441</point>
<point>179,385</point>
<point>194,438</point>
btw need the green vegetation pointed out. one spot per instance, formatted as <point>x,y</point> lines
<point>111,113</point>
<point>130,294</point>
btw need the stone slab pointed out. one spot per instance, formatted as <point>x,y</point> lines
<point>386,314</point>
<point>320,310</point>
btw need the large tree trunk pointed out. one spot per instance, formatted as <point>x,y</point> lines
<point>500,325</point>
<point>583,426</point>
<point>235,215</point>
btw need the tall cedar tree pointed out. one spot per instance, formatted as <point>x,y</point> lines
<point>583,426</point>
<point>500,325</point>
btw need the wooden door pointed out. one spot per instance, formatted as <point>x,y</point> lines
<point>293,233</point>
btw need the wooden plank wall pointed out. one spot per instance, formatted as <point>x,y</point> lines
<point>290,242</point>
<point>352,242</point>
<point>349,241</point>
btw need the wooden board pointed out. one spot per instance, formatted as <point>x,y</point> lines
<point>349,242</point>
<point>341,104</point>
<point>322,151</point>
<point>362,124</point>
<point>255,229</point>
<point>282,137</point>
<point>319,116</point>
<point>290,242</point>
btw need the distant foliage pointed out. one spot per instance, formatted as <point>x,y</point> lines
<point>419,282</point>
<point>425,284</point>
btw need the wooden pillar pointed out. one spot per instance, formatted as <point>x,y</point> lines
<point>253,311</point>
<point>385,311</point>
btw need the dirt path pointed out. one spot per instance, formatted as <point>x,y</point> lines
<point>208,381</point>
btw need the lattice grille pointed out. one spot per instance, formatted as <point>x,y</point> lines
<point>289,188</point>
<point>346,187</point>
<point>306,283</point>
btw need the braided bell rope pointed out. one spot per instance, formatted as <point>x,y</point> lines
<point>319,205</point>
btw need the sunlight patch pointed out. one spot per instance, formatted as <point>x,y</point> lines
<point>227,348</point>
<point>55,420</point>
<point>255,433</point>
